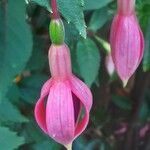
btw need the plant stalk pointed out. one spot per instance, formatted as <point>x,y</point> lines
<point>55,13</point>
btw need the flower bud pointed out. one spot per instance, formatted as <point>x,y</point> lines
<point>56,30</point>
<point>127,42</point>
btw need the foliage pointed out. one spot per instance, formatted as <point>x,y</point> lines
<point>24,43</point>
<point>9,140</point>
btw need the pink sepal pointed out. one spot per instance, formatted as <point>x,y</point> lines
<point>127,45</point>
<point>85,96</point>
<point>40,109</point>
<point>60,113</point>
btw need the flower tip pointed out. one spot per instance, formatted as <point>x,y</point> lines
<point>124,83</point>
<point>69,146</point>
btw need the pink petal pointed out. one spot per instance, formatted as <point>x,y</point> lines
<point>85,96</point>
<point>39,110</point>
<point>142,46</point>
<point>127,45</point>
<point>60,113</point>
<point>109,65</point>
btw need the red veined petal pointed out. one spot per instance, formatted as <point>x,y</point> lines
<point>85,96</point>
<point>39,111</point>
<point>127,45</point>
<point>60,113</point>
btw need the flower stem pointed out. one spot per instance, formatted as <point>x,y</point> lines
<point>55,13</point>
<point>126,7</point>
<point>69,147</point>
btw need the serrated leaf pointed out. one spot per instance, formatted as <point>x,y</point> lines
<point>9,112</point>
<point>16,46</point>
<point>95,4</point>
<point>88,58</point>
<point>9,139</point>
<point>146,60</point>
<point>72,11</point>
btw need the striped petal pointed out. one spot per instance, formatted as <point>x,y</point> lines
<point>60,113</point>
<point>127,45</point>
<point>84,95</point>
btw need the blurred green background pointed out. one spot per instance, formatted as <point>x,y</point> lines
<point>120,116</point>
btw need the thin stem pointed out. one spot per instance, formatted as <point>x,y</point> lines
<point>69,147</point>
<point>126,7</point>
<point>55,13</point>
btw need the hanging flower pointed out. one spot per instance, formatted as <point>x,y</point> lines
<point>63,97</point>
<point>126,39</point>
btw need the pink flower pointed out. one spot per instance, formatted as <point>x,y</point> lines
<point>143,131</point>
<point>126,40</point>
<point>58,110</point>
<point>109,64</point>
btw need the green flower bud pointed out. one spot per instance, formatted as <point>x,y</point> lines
<point>56,30</point>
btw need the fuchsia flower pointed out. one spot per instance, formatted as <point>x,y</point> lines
<point>126,39</point>
<point>58,110</point>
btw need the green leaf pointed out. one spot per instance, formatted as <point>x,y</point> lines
<point>122,102</point>
<point>31,86</point>
<point>9,139</point>
<point>38,59</point>
<point>99,18</point>
<point>72,11</point>
<point>33,133</point>
<point>95,4</point>
<point>88,58</point>
<point>71,33</point>
<point>13,94</point>
<point>9,112</point>
<point>44,3</point>
<point>146,60</point>
<point>16,46</point>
